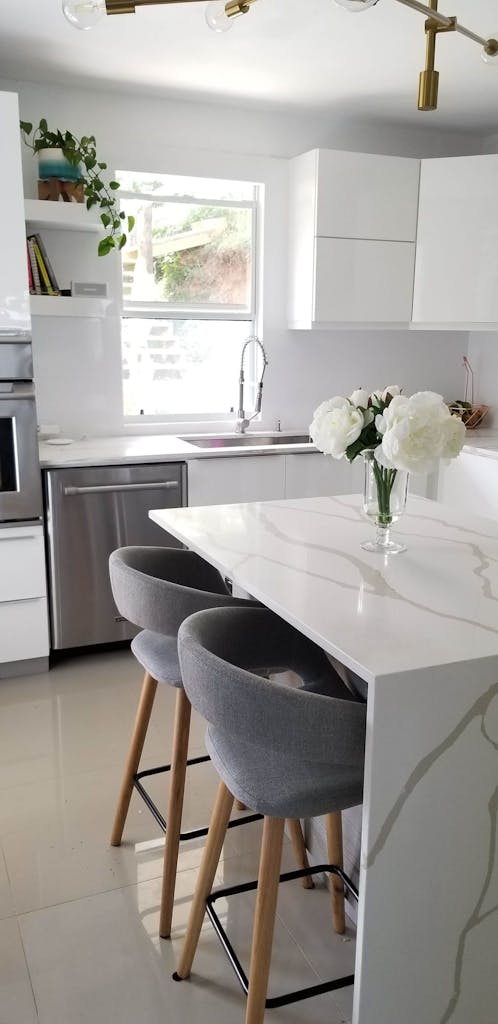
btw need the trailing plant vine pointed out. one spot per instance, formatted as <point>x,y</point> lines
<point>82,154</point>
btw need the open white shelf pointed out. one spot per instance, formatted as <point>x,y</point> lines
<point>40,213</point>
<point>64,305</point>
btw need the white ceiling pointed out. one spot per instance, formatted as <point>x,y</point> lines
<point>298,54</point>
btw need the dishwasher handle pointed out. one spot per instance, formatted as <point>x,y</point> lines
<point>165,485</point>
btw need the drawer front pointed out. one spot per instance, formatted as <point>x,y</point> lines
<point>23,630</point>
<point>313,476</point>
<point>236,479</point>
<point>22,561</point>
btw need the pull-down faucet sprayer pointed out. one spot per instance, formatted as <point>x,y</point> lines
<point>243,421</point>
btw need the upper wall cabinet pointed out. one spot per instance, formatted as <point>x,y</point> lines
<point>456,279</point>
<point>353,223</point>
<point>14,289</point>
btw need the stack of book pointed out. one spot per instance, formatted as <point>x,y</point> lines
<point>42,280</point>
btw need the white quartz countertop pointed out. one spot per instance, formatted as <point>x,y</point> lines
<point>433,605</point>
<point>122,451</point>
<point>482,442</point>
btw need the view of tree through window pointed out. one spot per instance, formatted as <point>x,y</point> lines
<point>188,286</point>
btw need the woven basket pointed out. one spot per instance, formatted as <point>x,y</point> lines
<point>471,417</point>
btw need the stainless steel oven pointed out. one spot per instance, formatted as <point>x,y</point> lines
<point>20,478</point>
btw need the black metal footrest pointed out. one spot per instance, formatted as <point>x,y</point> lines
<point>290,997</point>
<point>196,833</point>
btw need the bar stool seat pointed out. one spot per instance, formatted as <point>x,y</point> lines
<point>158,655</point>
<point>301,791</point>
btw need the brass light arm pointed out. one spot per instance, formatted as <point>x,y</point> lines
<point>232,7</point>
<point>452,24</point>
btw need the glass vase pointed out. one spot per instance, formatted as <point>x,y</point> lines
<point>384,500</point>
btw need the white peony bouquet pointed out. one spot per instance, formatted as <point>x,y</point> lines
<point>409,434</point>
<point>396,435</point>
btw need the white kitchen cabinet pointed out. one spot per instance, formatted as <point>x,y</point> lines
<point>353,219</point>
<point>372,281</point>
<point>23,633</point>
<point>14,289</point>
<point>470,484</point>
<point>315,475</point>
<point>234,479</point>
<point>22,558</point>
<point>456,277</point>
<point>23,597</point>
<point>364,195</point>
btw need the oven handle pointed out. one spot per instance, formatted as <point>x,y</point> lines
<point>166,485</point>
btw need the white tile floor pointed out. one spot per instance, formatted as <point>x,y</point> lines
<point>79,920</point>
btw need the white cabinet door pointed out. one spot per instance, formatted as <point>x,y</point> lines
<point>316,475</point>
<point>363,281</point>
<point>456,278</point>
<point>353,219</point>
<point>236,478</point>
<point>362,195</point>
<point>23,595</point>
<point>22,561</point>
<point>23,630</point>
<point>470,484</point>
<point>14,288</point>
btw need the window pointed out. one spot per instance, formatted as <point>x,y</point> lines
<point>189,293</point>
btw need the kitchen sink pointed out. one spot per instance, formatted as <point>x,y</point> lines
<point>246,440</point>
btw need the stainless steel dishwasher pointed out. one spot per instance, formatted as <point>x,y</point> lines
<point>90,512</point>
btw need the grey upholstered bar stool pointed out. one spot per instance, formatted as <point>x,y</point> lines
<point>287,753</point>
<point>156,589</point>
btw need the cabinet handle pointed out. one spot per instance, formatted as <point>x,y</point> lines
<point>167,485</point>
<point>26,536</point>
<point>21,600</point>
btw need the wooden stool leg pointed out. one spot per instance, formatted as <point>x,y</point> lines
<point>264,919</point>
<point>175,807</point>
<point>335,855</point>
<point>142,719</point>
<point>298,845</point>
<point>214,843</point>
<point>239,806</point>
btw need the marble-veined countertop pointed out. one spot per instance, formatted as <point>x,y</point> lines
<point>131,450</point>
<point>435,604</point>
<point>135,449</point>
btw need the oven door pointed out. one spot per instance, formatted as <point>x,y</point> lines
<point>20,478</point>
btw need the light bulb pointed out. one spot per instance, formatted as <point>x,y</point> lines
<point>217,17</point>
<point>83,14</point>
<point>355,6</point>
<point>490,52</point>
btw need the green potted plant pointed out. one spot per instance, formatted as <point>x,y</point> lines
<point>62,155</point>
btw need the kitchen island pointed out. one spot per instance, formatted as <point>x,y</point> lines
<point>421,629</point>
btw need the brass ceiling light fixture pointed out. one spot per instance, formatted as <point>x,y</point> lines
<point>84,14</point>
<point>220,16</point>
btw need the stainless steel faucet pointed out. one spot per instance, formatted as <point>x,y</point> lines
<point>243,421</point>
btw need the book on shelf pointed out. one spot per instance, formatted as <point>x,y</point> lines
<point>30,272</point>
<point>48,281</point>
<point>37,290</point>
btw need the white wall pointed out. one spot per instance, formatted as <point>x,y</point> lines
<point>483,347</point>
<point>77,364</point>
<point>483,357</point>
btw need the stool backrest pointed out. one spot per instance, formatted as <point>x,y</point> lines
<point>217,649</point>
<point>157,588</point>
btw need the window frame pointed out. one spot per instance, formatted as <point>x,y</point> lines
<point>165,310</point>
